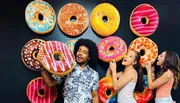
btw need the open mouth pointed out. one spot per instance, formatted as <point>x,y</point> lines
<point>124,60</point>
<point>79,57</point>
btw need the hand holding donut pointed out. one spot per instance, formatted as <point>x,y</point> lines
<point>112,65</point>
<point>148,66</point>
<point>39,58</point>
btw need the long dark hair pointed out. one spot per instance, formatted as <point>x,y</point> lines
<point>171,62</point>
<point>92,48</point>
<point>140,81</point>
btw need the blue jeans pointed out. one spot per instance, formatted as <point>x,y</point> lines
<point>164,100</point>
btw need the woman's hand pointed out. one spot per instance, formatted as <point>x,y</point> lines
<point>148,67</point>
<point>112,66</point>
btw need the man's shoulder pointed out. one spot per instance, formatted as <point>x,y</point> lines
<point>92,70</point>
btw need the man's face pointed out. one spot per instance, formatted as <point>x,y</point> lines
<point>82,55</point>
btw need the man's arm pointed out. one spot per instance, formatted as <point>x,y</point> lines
<point>50,82</point>
<point>95,98</point>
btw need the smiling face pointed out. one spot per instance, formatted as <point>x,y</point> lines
<point>82,55</point>
<point>129,58</point>
<point>161,58</point>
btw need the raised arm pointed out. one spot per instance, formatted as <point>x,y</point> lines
<point>50,82</point>
<point>109,73</point>
<point>159,81</point>
<point>125,78</point>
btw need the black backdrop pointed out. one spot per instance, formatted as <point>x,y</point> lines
<point>14,76</point>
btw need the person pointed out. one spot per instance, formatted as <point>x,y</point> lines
<point>167,78</point>
<point>128,81</point>
<point>81,83</point>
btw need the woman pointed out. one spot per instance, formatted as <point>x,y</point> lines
<point>167,78</point>
<point>130,80</point>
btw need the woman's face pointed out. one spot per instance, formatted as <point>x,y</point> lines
<point>161,58</point>
<point>129,58</point>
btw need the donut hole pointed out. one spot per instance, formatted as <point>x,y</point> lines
<point>73,19</point>
<point>57,55</point>
<point>105,19</point>
<point>111,48</point>
<point>40,16</point>
<point>108,92</point>
<point>35,54</point>
<point>144,20</point>
<point>142,52</point>
<point>41,92</point>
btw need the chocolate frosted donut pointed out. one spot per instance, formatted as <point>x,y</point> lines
<point>29,52</point>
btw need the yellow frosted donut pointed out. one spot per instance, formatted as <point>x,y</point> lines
<point>105,19</point>
<point>40,17</point>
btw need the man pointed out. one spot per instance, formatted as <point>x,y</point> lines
<point>81,84</point>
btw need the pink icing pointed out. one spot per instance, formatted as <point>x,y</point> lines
<point>119,48</point>
<point>54,65</point>
<point>50,94</point>
<point>144,10</point>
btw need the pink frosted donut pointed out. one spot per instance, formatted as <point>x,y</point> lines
<point>38,92</point>
<point>144,20</point>
<point>110,48</point>
<point>58,58</point>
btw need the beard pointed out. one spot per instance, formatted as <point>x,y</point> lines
<point>82,63</point>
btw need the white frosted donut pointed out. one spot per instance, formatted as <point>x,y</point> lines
<point>147,48</point>
<point>40,17</point>
<point>29,51</point>
<point>58,58</point>
<point>38,92</point>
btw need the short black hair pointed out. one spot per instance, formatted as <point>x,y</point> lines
<point>93,51</point>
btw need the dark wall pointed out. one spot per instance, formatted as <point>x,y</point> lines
<point>14,76</point>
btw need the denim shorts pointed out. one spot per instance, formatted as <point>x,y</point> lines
<point>164,100</point>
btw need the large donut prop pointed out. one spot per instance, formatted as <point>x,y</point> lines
<point>38,92</point>
<point>29,53</point>
<point>40,17</point>
<point>73,19</point>
<point>106,91</point>
<point>58,58</point>
<point>146,95</point>
<point>70,44</point>
<point>105,19</point>
<point>110,48</point>
<point>144,20</point>
<point>147,48</point>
